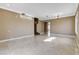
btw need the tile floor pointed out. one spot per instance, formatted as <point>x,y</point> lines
<point>39,45</point>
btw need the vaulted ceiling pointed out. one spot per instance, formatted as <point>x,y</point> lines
<point>43,11</point>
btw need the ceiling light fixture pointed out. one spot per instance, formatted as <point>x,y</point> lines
<point>24,16</point>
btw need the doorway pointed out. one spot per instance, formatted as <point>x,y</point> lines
<point>45,27</point>
<point>36,20</point>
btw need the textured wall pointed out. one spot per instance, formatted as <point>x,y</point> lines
<point>63,26</point>
<point>40,27</point>
<point>11,25</point>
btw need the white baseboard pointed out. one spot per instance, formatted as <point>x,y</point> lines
<point>63,35</point>
<point>26,36</point>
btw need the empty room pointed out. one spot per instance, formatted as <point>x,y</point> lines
<point>39,28</point>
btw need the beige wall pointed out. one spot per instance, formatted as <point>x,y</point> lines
<point>77,31</point>
<point>78,21</point>
<point>77,26</point>
<point>40,27</point>
<point>11,25</point>
<point>63,26</point>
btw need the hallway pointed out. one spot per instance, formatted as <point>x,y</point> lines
<point>39,45</point>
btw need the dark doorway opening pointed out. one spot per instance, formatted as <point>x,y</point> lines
<point>36,20</point>
<point>45,27</point>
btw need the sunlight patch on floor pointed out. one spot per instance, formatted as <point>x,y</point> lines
<point>49,39</point>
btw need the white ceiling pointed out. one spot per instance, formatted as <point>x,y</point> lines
<point>43,11</point>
